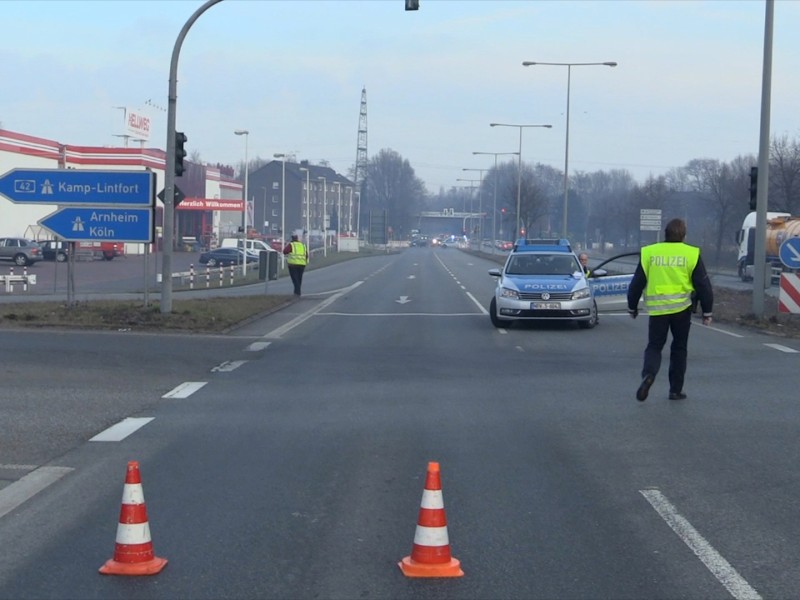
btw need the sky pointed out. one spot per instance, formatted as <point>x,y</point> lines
<point>688,82</point>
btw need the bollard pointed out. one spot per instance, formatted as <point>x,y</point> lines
<point>11,281</point>
<point>233,268</point>
<point>221,271</point>
<point>208,278</point>
<point>25,281</point>
<point>191,276</point>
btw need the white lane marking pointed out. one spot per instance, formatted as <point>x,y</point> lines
<point>276,333</point>
<point>257,346</point>
<point>228,366</point>
<point>118,432</point>
<point>185,389</point>
<point>28,486</point>
<point>730,333</point>
<point>502,331</point>
<point>782,348</point>
<point>412,276</point>
<point>519,348</point>
<point>17,467</point>
<point>478,304</point>
<point>714,562</point>
<point>403,314</point>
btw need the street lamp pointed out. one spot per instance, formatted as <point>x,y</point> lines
<point>494,211</point>
<point>264,212</point>
<point>338,213</point>
<point>480,204</point>
<point>246,135</point>
<point>308,206</point>
<point>471,186</point>
<point>569,66</point>
<point>350,211</point>
<point>283,202</point>
<point>324,216</point>
<point>519,162</point>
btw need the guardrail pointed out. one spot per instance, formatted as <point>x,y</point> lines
<point>10,280</point>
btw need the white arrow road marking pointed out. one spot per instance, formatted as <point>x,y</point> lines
<point>118,432</point>
<point>185,389</point>
<point>27,487</point>
<point>228,366</point>
<point>403,300</point>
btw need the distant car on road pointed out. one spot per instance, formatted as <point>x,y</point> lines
<point>222,257</point>
<point>53,250</point>
<point>19,250</point>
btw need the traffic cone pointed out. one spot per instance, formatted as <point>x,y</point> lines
<point>430,555</point>
<point>133,550</point>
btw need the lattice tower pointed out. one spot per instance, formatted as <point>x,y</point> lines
<point>361,149</point>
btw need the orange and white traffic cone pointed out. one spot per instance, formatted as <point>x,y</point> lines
<point>430,555</point>
<point>133,550</point>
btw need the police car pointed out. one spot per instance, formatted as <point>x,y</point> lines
<point>543,280</point>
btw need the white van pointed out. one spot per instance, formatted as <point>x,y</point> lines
<point>252,245</point>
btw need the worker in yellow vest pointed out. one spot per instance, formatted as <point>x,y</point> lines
<point>673,278</point>
<point>296,259</point>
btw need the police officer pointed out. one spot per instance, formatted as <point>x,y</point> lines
<point>669,273</point>
<point>296,259</point>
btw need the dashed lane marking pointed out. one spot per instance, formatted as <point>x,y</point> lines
<point>118,432</point>
<point>228,366</point>
<point>782,348</point>
<point>185,389</point>
<point>28,486</point>
<point>713,560</point>
<point>257,346</point>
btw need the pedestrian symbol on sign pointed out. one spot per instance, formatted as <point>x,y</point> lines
<point>77,224</point>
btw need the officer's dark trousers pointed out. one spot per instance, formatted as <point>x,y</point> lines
<point>296,273</point>
<point>658,327</point>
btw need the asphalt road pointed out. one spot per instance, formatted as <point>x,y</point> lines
<point>294,465</point>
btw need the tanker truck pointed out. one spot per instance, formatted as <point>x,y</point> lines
<point>780,226</point>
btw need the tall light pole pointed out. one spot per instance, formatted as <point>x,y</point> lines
<point>283,202</point>
<point>519,164</point>
<point>338,185</point>
<point>358,216</point>
<point>471,186</point>
<point>246,135</point>
<point>308,207</point>
<point>569,66</point>
<point>324,210</point>
<point>264,212</point>
<point>350,212</point>
<point>480,204</point>
<point>494,210</point>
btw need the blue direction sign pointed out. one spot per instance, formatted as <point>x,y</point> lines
<point>789,253</point>
<point>101,224</point>
<point>72,186</point>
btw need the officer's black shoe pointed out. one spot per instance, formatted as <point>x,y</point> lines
<point>644,388</point>
<point>677,396</point>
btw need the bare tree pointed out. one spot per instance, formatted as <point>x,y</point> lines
<point>784,175</point>
<point>393,186</point>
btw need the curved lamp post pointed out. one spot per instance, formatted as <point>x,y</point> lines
<point>246,135</point>
<point>529,63</point>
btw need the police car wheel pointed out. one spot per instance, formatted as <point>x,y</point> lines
<point>493,316</point>
<point>592,321</point>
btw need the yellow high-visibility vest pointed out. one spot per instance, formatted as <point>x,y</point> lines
<point>668,267</point>
<point>298,254</point>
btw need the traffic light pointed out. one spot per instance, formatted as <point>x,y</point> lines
<point>180,152</point>
<point>753,187</point>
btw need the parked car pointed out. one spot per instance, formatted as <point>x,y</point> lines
<point>53,250</point>
<point>222,257</point>
<point>19,250</point>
